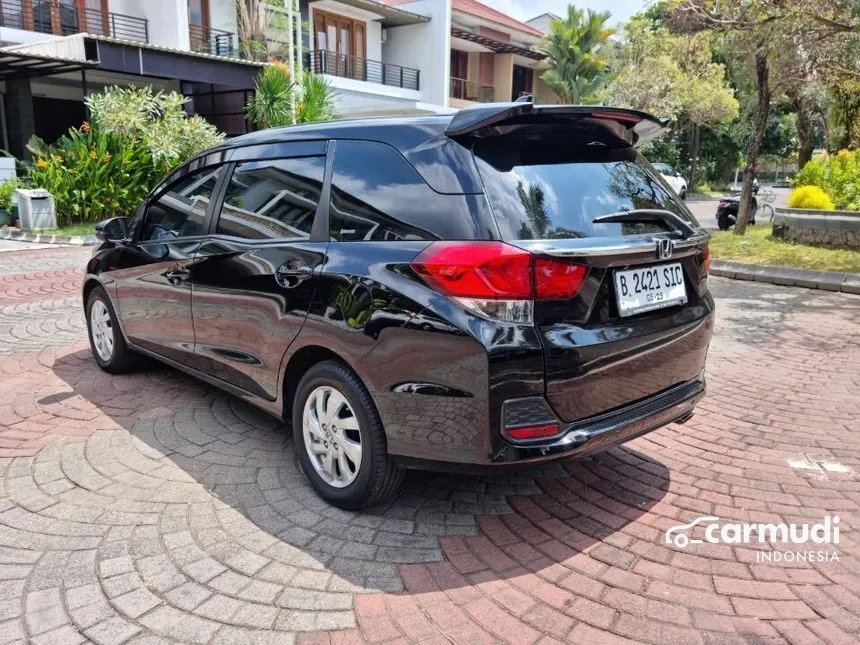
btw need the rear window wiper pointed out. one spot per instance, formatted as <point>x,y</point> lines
<point>649,215</point>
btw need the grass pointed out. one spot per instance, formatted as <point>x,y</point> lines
<point>758,247</point>
<point>74,229</point>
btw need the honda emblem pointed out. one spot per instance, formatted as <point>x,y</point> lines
<point>665,247</point>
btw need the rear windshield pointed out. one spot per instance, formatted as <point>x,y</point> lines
<point>542,188</point>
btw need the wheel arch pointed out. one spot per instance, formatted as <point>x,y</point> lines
<point>300,362</point>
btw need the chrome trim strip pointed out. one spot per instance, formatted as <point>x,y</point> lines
<point>582,248</point>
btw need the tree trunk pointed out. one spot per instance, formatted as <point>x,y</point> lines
<point>805,130</point>
<point>694,157</point>
<point>762,72</point>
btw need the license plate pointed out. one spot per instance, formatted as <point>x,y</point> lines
<point>649,288</point>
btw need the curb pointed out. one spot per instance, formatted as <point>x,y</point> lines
<point>787,276</point>
<point>38,238</point>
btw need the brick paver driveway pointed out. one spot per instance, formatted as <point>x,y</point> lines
<point>152,508</point>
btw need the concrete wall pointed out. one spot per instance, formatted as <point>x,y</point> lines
<point>824,228</point>
<point>425,47</point>
<point>503,76</point>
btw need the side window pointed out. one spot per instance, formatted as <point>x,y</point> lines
<point>275,198</point>
<point>180,211</point>
<point>377,195</point>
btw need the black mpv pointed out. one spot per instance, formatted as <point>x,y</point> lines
<point>507,286</point>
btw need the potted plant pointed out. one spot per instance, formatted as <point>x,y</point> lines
<point>7,190</point>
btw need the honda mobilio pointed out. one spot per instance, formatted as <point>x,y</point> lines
<point>508,286</point>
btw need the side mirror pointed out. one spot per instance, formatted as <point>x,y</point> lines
<point>114,229</point>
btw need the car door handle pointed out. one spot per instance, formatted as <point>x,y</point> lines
<point>177,276</point>
<point>292,273</point>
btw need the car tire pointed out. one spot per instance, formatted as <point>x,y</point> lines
<point>724,223</point>
<point>329,466</point>
<point>107,343</point>
<point>683,194</point>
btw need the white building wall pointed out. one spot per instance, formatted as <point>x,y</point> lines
<point>425,47</point>
<point>168,19</point>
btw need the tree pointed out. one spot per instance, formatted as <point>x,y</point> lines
<point>279,100</point>
<point>576,48</point>
<point>772,36</point>
<point>673,75</point>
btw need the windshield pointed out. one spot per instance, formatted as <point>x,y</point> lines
<point>553,189</point>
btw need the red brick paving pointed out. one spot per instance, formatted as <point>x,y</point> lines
<point>584,560</point>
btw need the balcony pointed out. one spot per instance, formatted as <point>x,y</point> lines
<point>466,90</point>
<point>217,42</point>
<point>64,19</point>
<point>361,69</point>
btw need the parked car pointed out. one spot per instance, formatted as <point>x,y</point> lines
<point>673,178</point>
<point>505,287</point>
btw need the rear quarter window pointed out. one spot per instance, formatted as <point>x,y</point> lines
<point>553,188</point>
<point>377,195</point>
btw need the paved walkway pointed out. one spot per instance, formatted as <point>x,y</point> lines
<point>152,508</point>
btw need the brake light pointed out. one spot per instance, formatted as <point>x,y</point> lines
<point>706,260</point>
<point>495,279</point>
<point>722,204</point>
<point>533,432</point>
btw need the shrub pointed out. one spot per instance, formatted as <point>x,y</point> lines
<point>838,175</point>
<point>810,197</point>
<point>94,174</point>
<point>276,94</point>
<point>108,167</point>
<point>158,119</point>
<point>7,190</point>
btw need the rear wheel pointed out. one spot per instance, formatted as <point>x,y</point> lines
<point>340,442</point>
<point>106,341</point>
<point>683,194</point>
<point>724,222</point>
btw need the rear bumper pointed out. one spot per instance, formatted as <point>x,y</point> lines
<point>587,436</point>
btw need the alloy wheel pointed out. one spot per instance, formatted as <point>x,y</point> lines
<point>101,328</point>
<point>332,436</point>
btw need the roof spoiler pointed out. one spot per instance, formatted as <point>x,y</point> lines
<point>638,126</point>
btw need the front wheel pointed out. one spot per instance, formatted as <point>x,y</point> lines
<point>106,341</point>
<point>340,442</point>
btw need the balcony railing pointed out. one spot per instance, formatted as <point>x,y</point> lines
<point>217,42</point>
<point>466,90</point>
<point>361,69</point>
<point>63,19</point>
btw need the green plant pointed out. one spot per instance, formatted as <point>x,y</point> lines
<point>157,119</point>
<point>7,190</point>
<point>576,49</point>
<point>810,197</point>
<point>277,98</point>
<point>94,174</point>
<point>837,175</point>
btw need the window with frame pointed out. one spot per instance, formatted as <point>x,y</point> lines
<point>180,210</point>
<point>272,198</point>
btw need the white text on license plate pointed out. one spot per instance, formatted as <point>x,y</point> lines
<point>649,288</point>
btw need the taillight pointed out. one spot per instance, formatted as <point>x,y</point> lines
<point>556,280</point>
<point>490,270</point>
<point>706,260</point>
<point>721,205</point>
<point>495,279</point>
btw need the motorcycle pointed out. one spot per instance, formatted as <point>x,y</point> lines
<point>727,209</point>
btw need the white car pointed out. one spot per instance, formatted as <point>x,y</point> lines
<point>673,178</point>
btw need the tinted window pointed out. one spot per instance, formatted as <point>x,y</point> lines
<point>276,198</point>
<point>377,195</point>
<point>181,210</point>
<point>544,189</point>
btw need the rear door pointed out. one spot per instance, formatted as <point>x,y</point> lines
<point>641,323</point>
<point>255,275</point>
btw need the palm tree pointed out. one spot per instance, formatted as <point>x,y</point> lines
<point>575,48</point>
<point>278,100</point>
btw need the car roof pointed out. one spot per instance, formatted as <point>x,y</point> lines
<point>403,132</point>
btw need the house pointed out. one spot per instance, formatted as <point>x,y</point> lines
<point>383,57</point>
